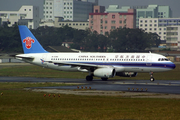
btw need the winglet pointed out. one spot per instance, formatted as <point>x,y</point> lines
<point>29,42</point>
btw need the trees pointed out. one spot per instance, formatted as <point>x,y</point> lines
<point>120,39</point>
<point>132,39</point>
<point>10,39</point>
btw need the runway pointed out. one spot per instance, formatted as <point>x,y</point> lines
<point>158,86</point>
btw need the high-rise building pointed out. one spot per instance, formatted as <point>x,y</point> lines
<point>173,37</point>
<point>158,25</point>
<point>27,15</point>
<point>103,22</point>
<point>152,11</point>
<point>73,10</point>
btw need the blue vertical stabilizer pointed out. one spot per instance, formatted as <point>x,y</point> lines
<point>29,42</point>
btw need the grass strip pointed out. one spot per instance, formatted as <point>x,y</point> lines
<point>36,71</point>
<point>18,104</point>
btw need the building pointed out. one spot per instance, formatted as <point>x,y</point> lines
<point>173,37</point>
<point>73,10</point>
<point>152,11</point>
<point>26,15</point>
<point>81,25</point>
<point>103,22</point>
<point>158,25</point>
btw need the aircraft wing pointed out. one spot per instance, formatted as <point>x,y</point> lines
<point>82,65</point>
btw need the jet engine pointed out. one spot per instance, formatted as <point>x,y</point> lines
<point>126,74</point>
<point>105,72</point>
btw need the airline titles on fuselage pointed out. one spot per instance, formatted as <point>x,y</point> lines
<point>102,57</point>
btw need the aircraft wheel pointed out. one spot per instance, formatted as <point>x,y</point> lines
<point>152,79</point>
<point>89,78</point>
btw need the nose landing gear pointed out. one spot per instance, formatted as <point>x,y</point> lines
<point>152,78</point>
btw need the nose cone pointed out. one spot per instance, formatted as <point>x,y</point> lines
<point>172,66</point>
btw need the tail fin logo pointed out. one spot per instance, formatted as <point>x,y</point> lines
<point>28,41</point>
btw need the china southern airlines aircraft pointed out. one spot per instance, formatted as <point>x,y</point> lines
<point>103,65</point>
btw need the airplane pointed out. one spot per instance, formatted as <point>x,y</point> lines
<point>103,65</point>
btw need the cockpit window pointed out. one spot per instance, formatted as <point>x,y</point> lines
<point>163,59</point>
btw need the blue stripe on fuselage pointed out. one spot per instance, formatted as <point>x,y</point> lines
<point>169,65</point>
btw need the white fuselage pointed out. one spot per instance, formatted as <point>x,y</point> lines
<point>122,62</point>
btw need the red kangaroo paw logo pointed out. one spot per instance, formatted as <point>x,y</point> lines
<point>28,41</point>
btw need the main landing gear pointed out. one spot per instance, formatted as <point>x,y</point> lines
<point>152,78</point>
<point>89,78</point>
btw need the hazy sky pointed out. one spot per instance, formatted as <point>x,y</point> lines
<point>10,5</point>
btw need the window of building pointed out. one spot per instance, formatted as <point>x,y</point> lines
<point>120,21</point>
<point>106,22</point>
<point>155,25</point>
<point>29,9</point>
<point>113,27</point>
<point>113,22</point>
<point>113,16</point>
<point>150,25</point>
<point>120,16</point>
<point>124,16</point>
<point>24,9</point>
<point>124,21</point>
<point>150,28</point>
<point>105,27</point>
<point>154,28</point>
<point>145,21</point>
<point>91,16</point>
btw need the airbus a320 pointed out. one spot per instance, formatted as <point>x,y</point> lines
<point>103,65</point>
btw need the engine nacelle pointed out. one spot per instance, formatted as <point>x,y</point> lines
<point>105,72</point>
<point>126,74</point>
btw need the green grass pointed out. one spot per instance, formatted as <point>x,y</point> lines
<point>36,71</point>
<point>18,104</point>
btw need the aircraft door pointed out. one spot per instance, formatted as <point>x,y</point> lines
<point>149,60</point>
